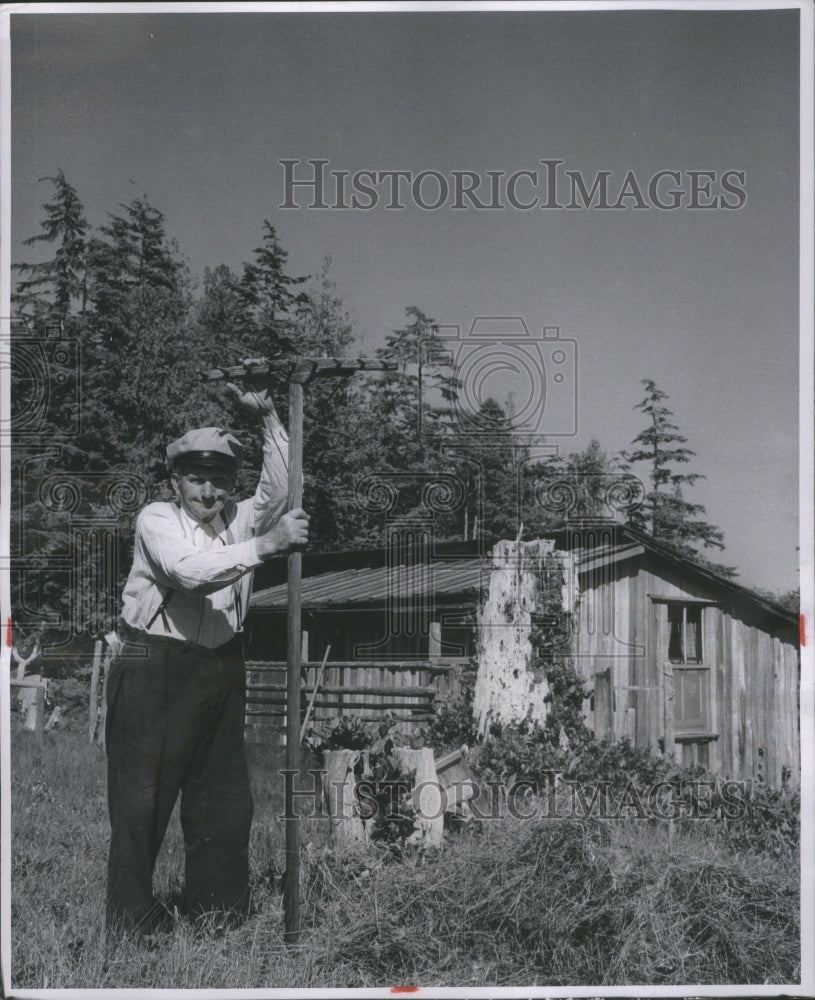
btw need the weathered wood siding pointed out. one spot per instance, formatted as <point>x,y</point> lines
<point>621,627</point>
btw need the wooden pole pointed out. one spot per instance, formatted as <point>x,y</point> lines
<point>94,707</point>
<point>291,894</point>
<point>317,683</point>
<point>39,718</point>
<point>668,678</point>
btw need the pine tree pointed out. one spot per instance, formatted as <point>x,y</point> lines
<point>585,484</point>
<point>489,464</point>
<point>135,256</point>
<point>271,304</point>
<point>666,514</point>
<point>51,287</point>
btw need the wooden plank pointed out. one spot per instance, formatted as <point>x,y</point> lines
<point>267,719</point>
<point>603,707</point>
<point>107,659</point>
<point>94,699</point>
<point>721,721</point>
<point>709,659</point>
<point>737,735</point>
<point>34,681</point>
<point>630,723</point>
<point>294,657</point>
<point>443,666</point>
<point>371,689</point>
<point>765,732</point>
<point>793,656</point>
<point>744,731</point>
<point>39,709</point>
<point>669,709</point>
<point>357,708</point>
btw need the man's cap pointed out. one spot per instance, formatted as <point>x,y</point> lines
<point>206,446</point>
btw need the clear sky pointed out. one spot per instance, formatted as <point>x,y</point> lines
<point>198,109</point>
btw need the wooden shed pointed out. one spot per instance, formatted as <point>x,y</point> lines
<point>672,651</point>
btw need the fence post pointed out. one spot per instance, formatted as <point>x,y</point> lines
<point>94,703</point>
<point>39,710</point>
<point>670,744</point>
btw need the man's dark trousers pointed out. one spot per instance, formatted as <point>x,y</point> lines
<point>175,724</point>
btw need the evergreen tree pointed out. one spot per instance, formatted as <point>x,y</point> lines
<point>489,463</point>
<point>270,300</point>
<point>135,256</point>
<point>585,484</point>
<point>50,288</point>
<point>139,382</point>
<point>666,514</point>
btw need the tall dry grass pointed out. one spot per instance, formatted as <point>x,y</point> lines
<point>505,902</point>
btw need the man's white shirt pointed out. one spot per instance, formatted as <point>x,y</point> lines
<point>204,571</point>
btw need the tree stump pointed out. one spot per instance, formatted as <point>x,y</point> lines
<point>419,767</point>
<point>339,787</point>
<point>32,702</point>
<point>507,688</point>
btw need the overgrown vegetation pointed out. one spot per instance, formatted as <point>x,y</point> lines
<point>506,902</point>
<point>750,817</point>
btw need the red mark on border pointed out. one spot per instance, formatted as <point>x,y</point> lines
<point>802,630</point>
<point>9,632</point>
<point>404,989</point>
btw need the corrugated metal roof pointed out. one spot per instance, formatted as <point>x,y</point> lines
<point>370,585</point>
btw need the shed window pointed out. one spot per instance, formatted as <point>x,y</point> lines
<point>692,699</point>
<point>685,633</point>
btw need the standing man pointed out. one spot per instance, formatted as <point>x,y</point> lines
<point>176,692</point>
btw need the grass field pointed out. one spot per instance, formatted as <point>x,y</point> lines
<point>507,902</point>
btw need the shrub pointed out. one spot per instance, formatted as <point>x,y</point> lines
<point>453,725</point>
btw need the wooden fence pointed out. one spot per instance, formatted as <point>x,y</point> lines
<point>368,690</point>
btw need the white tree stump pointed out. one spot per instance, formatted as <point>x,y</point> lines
<point>54,720</point>
<point>339,787</point>
<point>429,801</point>
<point>32,702</point>
<point>507,688</point>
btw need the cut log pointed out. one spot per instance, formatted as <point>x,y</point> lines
<point>428,798</point>
<point>32,702</point>
<point>54,719</point>
<point>339,787</point>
